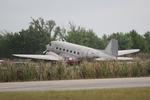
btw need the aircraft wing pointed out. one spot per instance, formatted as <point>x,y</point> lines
<point>41,57</point>
<point>125,52</point>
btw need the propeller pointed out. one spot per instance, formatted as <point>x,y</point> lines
<point>44,52</point>
<point>47,47</point>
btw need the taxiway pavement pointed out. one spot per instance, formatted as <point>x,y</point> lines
<point>75,84</point>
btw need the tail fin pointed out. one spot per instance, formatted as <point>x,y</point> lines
<point>112,47</point>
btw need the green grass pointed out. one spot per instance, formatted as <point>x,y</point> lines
<point>101,94</point>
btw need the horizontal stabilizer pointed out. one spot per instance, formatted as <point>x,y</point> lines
<point>125,52</point>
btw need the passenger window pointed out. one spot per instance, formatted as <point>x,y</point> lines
<point>63,49</point>
<point>78,53</point>
<point>56,47</point>
<point>59,48</point>
<point>67,50</point>
<point>70,51</point>
<point>74,52</point>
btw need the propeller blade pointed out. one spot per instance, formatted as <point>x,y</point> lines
<point>44,52</point>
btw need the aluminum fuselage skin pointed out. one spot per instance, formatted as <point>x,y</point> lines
<point>74,51</point>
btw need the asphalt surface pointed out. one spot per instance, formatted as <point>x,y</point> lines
<point>75,84</point>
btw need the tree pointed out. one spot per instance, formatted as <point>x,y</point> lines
<point>83,37</point>
<point>7,45</point>
<point>50,27</point>
<point>40,32</point>
<point>31,40</point>
<point>138,41</point>
<point>124,40</point>
<point>147,39</point>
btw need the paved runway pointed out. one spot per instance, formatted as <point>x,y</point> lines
<point>75,84</point>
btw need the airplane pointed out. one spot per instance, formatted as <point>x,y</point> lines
<point>65,51</point>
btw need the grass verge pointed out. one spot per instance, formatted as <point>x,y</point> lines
<point>32,71</point>
<point>101,94</point>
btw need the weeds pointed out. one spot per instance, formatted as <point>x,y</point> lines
<point>32,71</point>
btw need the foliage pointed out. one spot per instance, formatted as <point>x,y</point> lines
<point>83,37</point>
<point>147,39</point>
<point>124,40</point>
<point>138,41</point>
<point>31,40</point>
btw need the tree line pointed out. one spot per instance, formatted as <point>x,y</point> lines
<point>40,32</point>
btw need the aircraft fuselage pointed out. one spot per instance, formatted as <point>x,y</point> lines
<point>74,51</point>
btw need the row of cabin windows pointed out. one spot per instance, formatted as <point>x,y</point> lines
<point>68,51</point>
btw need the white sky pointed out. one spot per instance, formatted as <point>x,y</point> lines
<point>103,16</point>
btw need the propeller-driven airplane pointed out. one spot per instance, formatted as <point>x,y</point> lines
<point>65,51</point>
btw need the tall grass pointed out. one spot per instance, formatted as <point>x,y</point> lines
<point>60,71</point>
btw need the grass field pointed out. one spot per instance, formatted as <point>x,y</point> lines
<point>34,71</point>
<point>101,94</point>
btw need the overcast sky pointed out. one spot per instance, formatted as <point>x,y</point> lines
<point>103,16</point>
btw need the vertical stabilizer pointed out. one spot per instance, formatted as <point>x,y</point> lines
<point>112,48</point>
